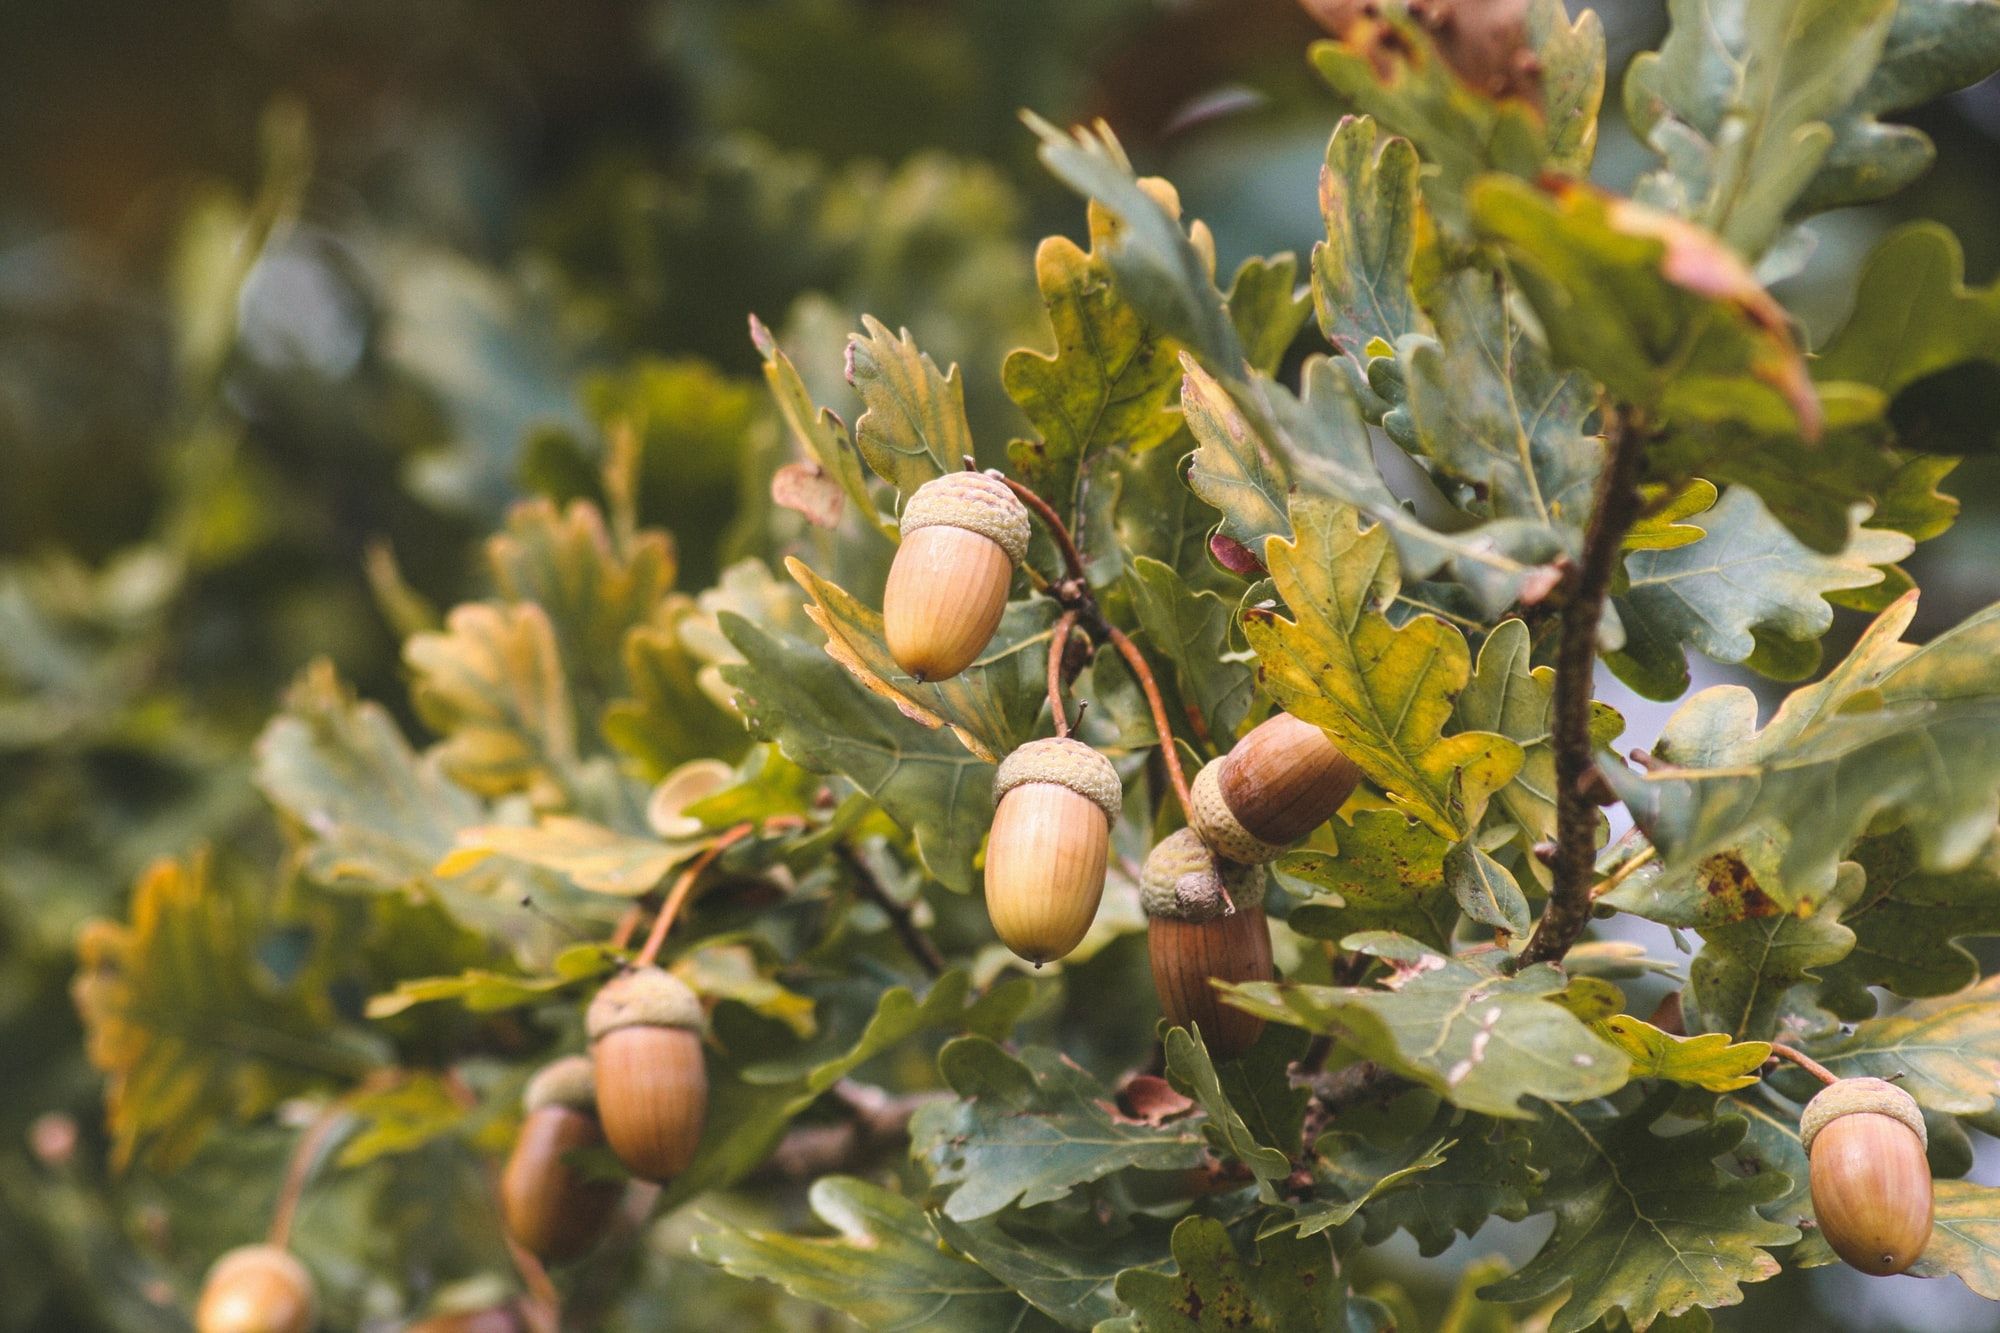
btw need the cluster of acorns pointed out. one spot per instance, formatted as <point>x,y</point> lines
<point>1057,799</point>
<point>642,1090</point>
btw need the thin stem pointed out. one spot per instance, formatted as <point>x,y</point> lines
<point>1168,752</point>
<point>1623,873</point>
<point>682,888</point>
<point>1568,909</point>
<point>921,946</point>
<point>1058,647</point>
<point>298,1171</point>
<point>1805,1062</point>
<point>628,926</point>
<point>1072,558</point>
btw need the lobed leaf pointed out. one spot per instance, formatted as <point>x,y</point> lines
<point>1388,876</point>
<point>914,427</point>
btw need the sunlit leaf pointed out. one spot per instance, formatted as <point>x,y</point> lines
<point>482,990</point>
<point>1965,1236</point>
<point>914,427</point>
<point>1945,1051</point>
<point>1708,1061</point>
<point>592,857</point>
<point>1387,876</point>
<point>493,685</point>
<point>822,433</point>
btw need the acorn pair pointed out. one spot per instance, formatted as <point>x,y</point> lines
<point>643,1090</point>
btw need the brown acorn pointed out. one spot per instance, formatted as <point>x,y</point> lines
<point>652,1087</point>
<point>553,1210</point>
<point>1871,1183</point>
<point>1205,923</point>
<point>256,1289</point>
<point>963,535</point>
<point>1045,858</point>
<point>1276,785</point>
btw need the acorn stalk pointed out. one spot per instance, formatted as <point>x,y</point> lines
<point>1051,837</point>
<point>652,1087</point>
<point>964,533</point>
<point>256,1289</point>
<point>552,1209</point>
<point>1205,923</point>
<point>1275,786</point>
<point>1871,1183</point>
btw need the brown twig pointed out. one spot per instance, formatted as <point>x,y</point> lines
<point>1058,530</point>
<point>682,888</point>
<point>628,926</point>
<point>1568,909</point>
<point>1058,646</point>
<point>1805,1062</point>
<point>1169,753</point>
<point>920,945</point>
<point>299,1169</point>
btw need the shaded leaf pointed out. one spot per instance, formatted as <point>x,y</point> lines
<point>1292,1285</point>
<point>1481,1171</point>
<point>1268,308</point>
<point>1030,1130</point>
<point>1067,1273</point>
<point>669,717</point>
<point>1913,314</point>
<point>822,433</point>
<point>1965,1236</point>
<point>1945,1052</point>
<point>1384,692</point>
<point>1192,1070</point>
<point>1481,1040</point>
<point>1361,271</point>
<point>1485,889</point>
<point>1191,629</point>
<point>1907,922</point>
<point>1745,967</point>
<point>914,426</point>
<point>1645,1224</point>
<point>885,1268</point>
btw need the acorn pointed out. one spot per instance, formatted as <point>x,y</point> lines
<point>963,535</point>
<point>1276,785</point>
<point>1871,1183</point>
<point>256,1289</point>
<point>1045,859</point>
<point>1205,923</point>
<point>652,1087</point>
<point>553,1210</point>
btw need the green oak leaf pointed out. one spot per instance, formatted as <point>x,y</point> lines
<point>1491,413</point>
<point>1749,580</point>
<point>1384,692</point>
<point>1645,1224</point>
<point>1388,67</point>
<point>750,1106</point>
<point>667,718</point>
<point>493,685</point>
<point>186,1025</point>
<point>1031,1130</point>
<point>1481,1040</point>
<point>885,1268</point>
<point>991,706</point>
<point>1933,47</point>
<point>1268,308</point>
<point>1709,1060</point>
<point>589,855</point>
<point>1361,271</point>
<point>1111,383</point>
<point>1292,1286</point>
<point>1736,982</point>
<point>1893,729</point>
<point>1233,471</point>
<point>1657,310</point>
<point>1388,875</point>
<point>1275,1106</point>
<point>1485,889</point>
<point>1065,1267</point>
<point>824,720</point>
<point>1913,314</point>
<point>1165,271</point>
<point>913,427</point>
<point>593,589</point>
<point>1737,101</point>
<point>1907,922</point>
<point>1771,1147</point>
<point>823,434</point>
<point>483,990</point>
<point>1481,1171</point>
<point>1191,631</point>
<point>1945,1051</point>
<point>1965,1236</point>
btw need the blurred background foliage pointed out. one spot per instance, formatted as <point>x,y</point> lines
<point>297,296</point>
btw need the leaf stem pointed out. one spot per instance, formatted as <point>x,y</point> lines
<point>921,946</point>
<point>1169,751</point>
<point>1058,647</point>
<point>1805,1062</point>
<point>1617,508</point>
<point>1072,558</point>
<point>682,888</point>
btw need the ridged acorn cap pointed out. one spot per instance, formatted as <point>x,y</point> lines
<point>570,1081</point>
<point>973,501</point>
<point>1857,1096</point>
<point>643,997</point>
<point>1066,763</point>
<point>1219,826</point>
<point>1184,880</point>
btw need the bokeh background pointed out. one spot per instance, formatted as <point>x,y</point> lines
<point>494,226</point>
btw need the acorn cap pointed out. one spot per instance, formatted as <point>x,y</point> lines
<point>1183,879</point>
<point>570,1081</point>
<point>1857,1096</point>
<point>1219,826</point>
<point>973,501</point>
<point>643,997</point>
<point>1066,763</point>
